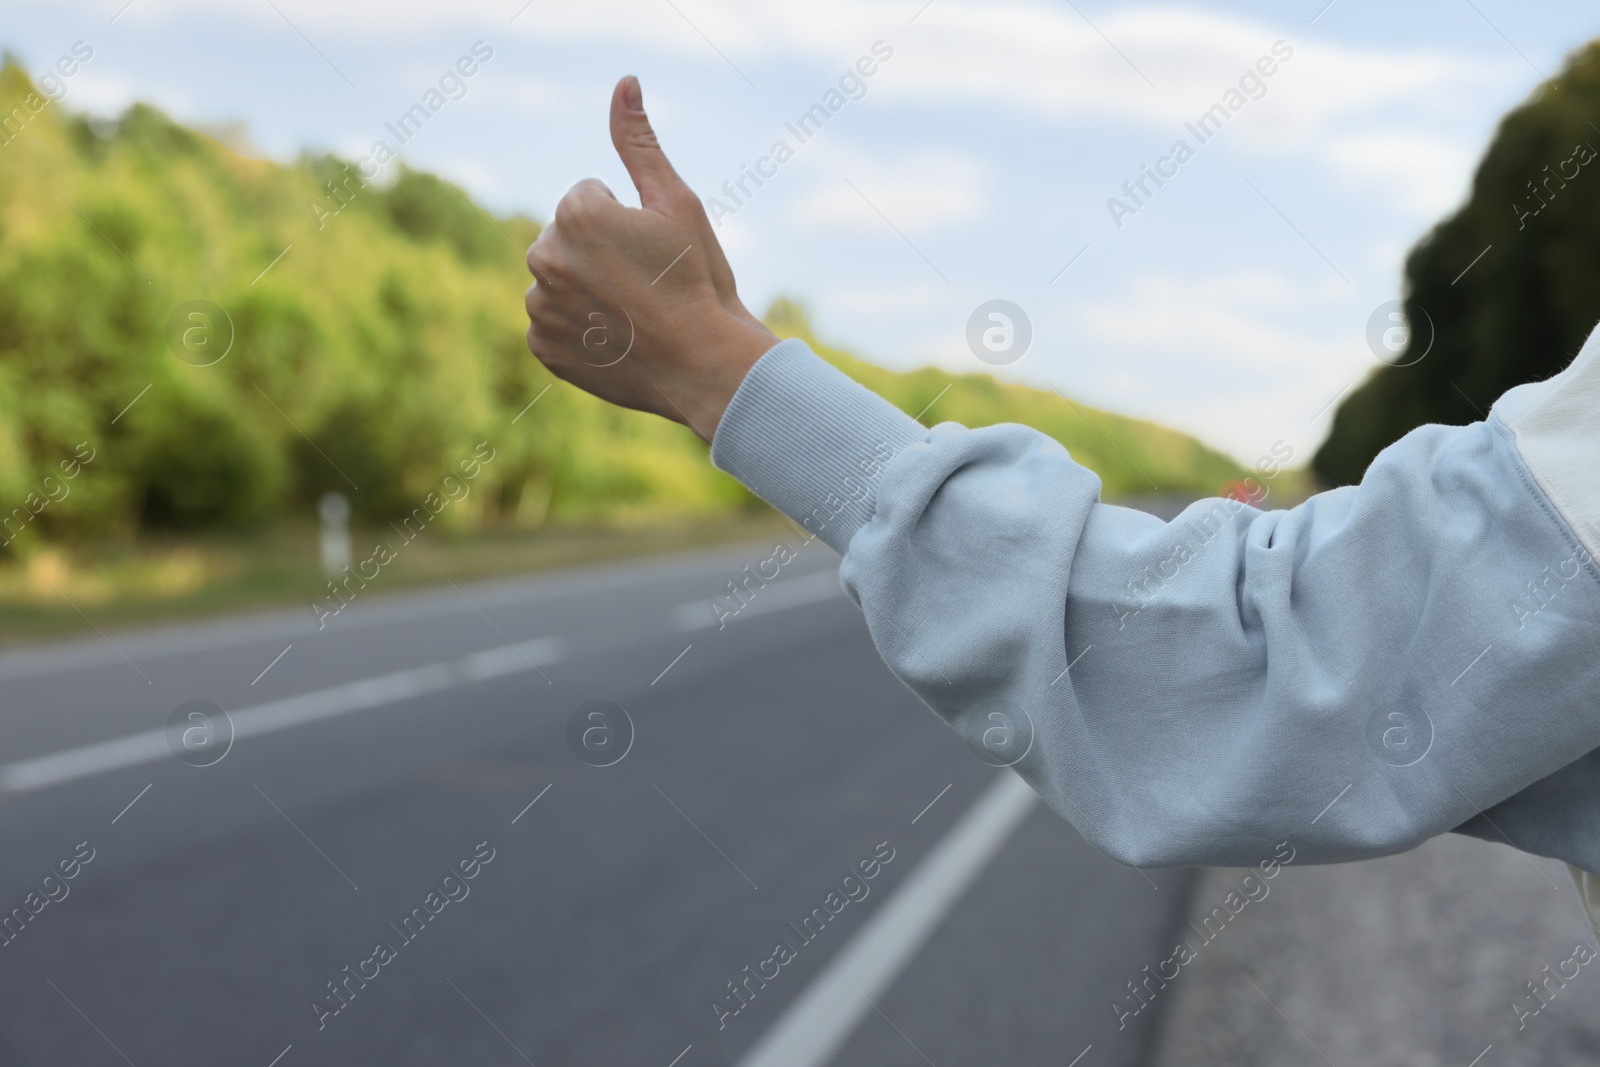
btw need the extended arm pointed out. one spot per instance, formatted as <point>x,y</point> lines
<point>1355,675</point>
<point>1381,664</point>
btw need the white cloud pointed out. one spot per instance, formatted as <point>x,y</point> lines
<point>523,93</point>
<point>104,93</point>
<point>917,192</point>
<point>1230,317</point>
<point>1372,133</point>
<point>1036,58</point>
<point>1241,358</point>
<point>1425,174</point>
<point>882,297</point>
<point>1316,104</point>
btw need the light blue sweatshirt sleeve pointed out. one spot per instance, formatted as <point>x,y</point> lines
<point>1381,664</point>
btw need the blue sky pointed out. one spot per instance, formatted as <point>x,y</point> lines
<point>978,163</point>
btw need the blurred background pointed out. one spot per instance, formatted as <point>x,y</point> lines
<point>314,584</point>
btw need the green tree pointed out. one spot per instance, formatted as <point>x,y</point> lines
<point>374,336</point>
<point>1524,309</point>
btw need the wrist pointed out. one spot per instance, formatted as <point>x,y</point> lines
<point>731,351</point>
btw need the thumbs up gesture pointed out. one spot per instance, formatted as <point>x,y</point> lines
<point>638,305</point>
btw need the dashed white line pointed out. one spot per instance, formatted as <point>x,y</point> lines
<point>150,745</point>
<point>499,631</point>
<point>777,596</point>
<point>891,1022</point>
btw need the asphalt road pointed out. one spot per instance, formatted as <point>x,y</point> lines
<point>418,732</point>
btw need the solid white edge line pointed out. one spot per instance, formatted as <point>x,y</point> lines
<point>149,745</point>
<point>819,1021</point>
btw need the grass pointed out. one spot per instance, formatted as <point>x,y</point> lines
<point>56,592</point>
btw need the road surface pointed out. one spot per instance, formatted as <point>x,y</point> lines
<point>297,894</point>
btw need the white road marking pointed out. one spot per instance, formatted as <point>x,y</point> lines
<point>791,593</point>
<point>814,1027</point>
<point>150,745</point>
<point>388,610</point>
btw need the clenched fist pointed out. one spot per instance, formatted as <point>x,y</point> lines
<point>637,305</point>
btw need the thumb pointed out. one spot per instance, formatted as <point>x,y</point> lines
<point>658,184</point>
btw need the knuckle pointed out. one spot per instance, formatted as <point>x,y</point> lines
<point>576,208</point>
<point>544,266</point>
<point>541,251</point>
<point>556,368</point>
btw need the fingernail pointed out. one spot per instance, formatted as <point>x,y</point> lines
<point>631,94</point>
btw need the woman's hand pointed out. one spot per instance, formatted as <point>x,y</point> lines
<point>638,305</point>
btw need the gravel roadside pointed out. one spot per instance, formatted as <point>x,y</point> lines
<point>1414,959</point>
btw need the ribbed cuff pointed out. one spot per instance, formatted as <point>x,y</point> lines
<point>811,442</point>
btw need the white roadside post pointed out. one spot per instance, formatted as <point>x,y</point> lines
<point>334,510</point>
